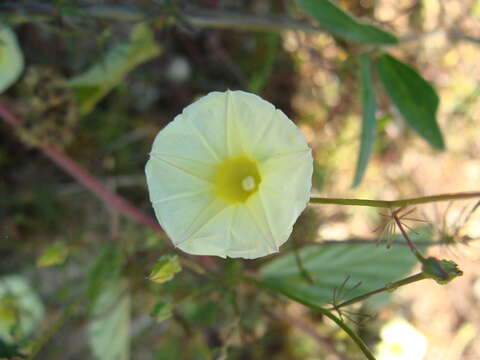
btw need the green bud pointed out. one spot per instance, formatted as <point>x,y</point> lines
<point>442,271</point>
<point>54,255</point>
<point>165,269</point>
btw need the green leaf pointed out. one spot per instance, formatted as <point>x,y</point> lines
<point>11,58</point>
<point>109,307</point>
<point>91,86</point>
<point>331,264</point>
<point>369,121</point>
<point>268,43</point>
<point>106,268</point>
<point>21,310</point>
<point>340,23</point>
<point>414,97</point>
<point>9,351</point>
<point>53,255</point>
<point>165,269</point>
<point>108,329</point>
<point>162,311</point>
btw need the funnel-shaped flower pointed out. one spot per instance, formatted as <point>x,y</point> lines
<point>229,176</point>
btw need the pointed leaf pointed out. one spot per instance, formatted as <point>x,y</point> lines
<point>369,121</point>
<point>340,23</point>
<point>162,311</point>
<point>95,83</point>
<point>414,97</point>
<point>331,264</point>
<point>109,326</point>
<point>109,307</point>
<point>106,268</point>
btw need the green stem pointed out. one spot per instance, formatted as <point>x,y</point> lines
<point>394,203</point>
<point>303,271</point>
<point>328,313</point>
<point>353,335</point>
<point>389,287</point>
<point>404,233</point>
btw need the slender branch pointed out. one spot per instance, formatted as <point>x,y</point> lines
<point>229,20</point>
<point>464,37</point>
<point>419,36</point>
<point>402,230</point>
<point>464,241</point>
<point>363,347</point>
<point>389,287</point>
<point>309,330</point>
<point>16,13</point>
<point>395,203</point>
<point>303,271</point>
<point>353,335</point>
<point>82,176</point>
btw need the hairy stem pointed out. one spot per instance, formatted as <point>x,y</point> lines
<point>402,230</point>
<point>328,313</point>
<point>389,287</point>
<point>395,203</point>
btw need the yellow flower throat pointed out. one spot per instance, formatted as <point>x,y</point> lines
<point>235,179</point>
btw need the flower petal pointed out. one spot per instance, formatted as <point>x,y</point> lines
<point>285,179</point>
<point>211,118</point>
<point>179,140</point>
<point>166,179</point>
<point>210,233</point>
<point>265,130</point>
<point>251,236</point>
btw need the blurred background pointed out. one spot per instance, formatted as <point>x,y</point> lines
<point>67,253</point>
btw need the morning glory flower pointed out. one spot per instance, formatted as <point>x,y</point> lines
<point>229,176</point>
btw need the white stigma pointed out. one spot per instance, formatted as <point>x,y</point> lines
<point>248,183</point>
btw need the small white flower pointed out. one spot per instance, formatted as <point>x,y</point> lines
<point>401,341</point>
<point>229,176</point>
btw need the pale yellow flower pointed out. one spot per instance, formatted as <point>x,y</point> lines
<point>229,176</point>
<point>401,341</point>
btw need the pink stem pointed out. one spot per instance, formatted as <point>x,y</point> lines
<point>82,176</point>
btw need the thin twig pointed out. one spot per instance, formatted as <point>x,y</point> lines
<point>327,312</point>
<point>201,18</point>
<point>459,36</point>
<point>389,287</point>
<point>85,178</point>
<point>229,20</point>
<point>395,203</point>
<point>308,329</point>
<point>402,230</point>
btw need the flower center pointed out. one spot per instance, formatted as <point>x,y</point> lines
<point>235,179</point>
